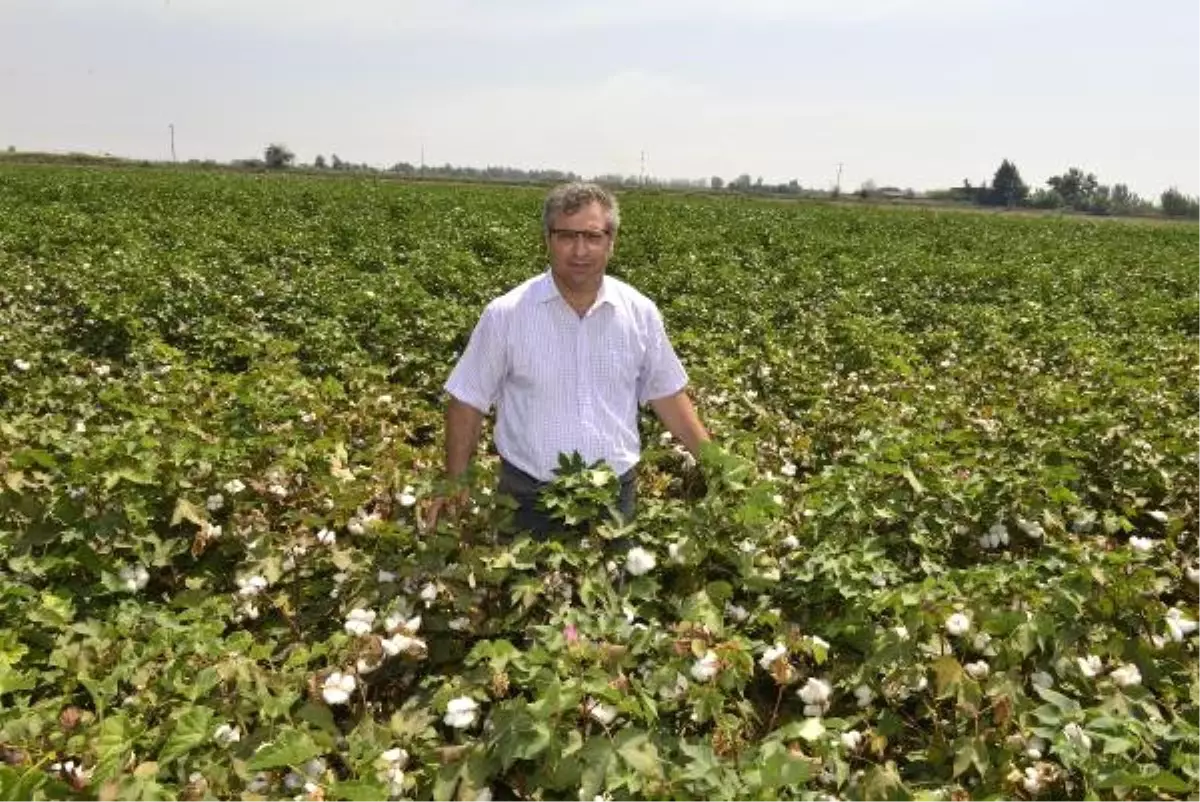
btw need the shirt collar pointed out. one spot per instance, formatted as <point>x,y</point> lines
<point>546,290</point>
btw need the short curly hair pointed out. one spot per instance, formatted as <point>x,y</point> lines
<point>570,198</point>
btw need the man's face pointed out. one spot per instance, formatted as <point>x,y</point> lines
<point>580,245</point>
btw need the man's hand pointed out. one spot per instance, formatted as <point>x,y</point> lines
<point>463,426</point>
<point>679,416</point>
<point>445,506</point>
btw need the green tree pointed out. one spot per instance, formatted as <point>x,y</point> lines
<point>1176,204</point>
<point>278,156</point>
<point>1076,188</point>
<point>1007,187</point>
<point>319,162</point>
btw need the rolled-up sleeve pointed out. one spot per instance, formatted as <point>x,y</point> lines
<point>662,373</point>
<point>480,371</point>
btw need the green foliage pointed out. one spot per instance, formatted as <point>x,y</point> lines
<point>955,495</point>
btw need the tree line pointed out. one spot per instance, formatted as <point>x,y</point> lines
<point>1072,190</point>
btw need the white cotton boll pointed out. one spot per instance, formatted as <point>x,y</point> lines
<point>1127,676</point>
<point>958,624</point>
<point>214,502</point>
<point>1032,783</point>
<point>1159,516</point>
<point>234,486</point>
<point>429,593</point>
<point>360,622</point>
<point>706,667</point>
<point>461,712</point>
<point>602,713</point>
<point>673,552</point>
<point>901,632</point>
<point>852,740</point>
<point>978,670</point>
<point>790,542</point>
<point>788,470</point>
<point>21,365</point>
<point>772,654</point>
<point>385,577</point>
<point>639,561</point>
<point>864,695</point>
<point>1031,528</point>
<point>736,612</point>
<point>407,497</point>
<point>1035,747</point>
<point>395,756</point>
<point>338,687</point>
<point>227,734</point>
<point>326,537</point>
<point>1075,734</point>
<point>815,692</point>
<point>134,578</point>
<point>1178,626</point>
<point>401,644</point>
<point>1142,544</point>
<point>278,491</point>
<point>1090,666</point>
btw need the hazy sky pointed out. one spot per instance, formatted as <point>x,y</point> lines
<point>912,93</point>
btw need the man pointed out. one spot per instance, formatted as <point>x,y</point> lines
<point>566,358</point>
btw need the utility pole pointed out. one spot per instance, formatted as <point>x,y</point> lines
<point>172,127</point>
<point>642,180</point>
<point>838,186</point>
<point>422,157</point>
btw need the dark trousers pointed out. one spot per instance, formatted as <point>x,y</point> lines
<point>526,489</point>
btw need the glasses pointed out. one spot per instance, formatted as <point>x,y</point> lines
<point>568,236</point>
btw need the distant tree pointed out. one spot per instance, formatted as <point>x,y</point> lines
<point>319,162</point>
<point>337,163</point>
<point>1176,204</point>
<point>1124,201</point>
<point>867,188</point>
<point>1076,188</point>
<point>794,187</point>
<point>277,156</point>
<point>742,182</point>
<point>1007,187</point>
<point>716,182</point>
<point>12,149</point>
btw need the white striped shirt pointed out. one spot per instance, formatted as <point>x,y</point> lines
<point>563,383</point>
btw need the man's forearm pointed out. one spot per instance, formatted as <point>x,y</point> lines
<point>679,416</point>
<point>463,426</point>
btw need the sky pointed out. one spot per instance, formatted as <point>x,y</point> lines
<point>906,93</point>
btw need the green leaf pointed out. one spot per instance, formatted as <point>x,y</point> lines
<point>359,790</point>
<point>187,511</point>
<point>192,728</point>
<point>1161,779</point>
<point>912,482</point>
<point>291,748</point>
<point>113,746</point>
<point>1065,704</point>
<point>636,749</point>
